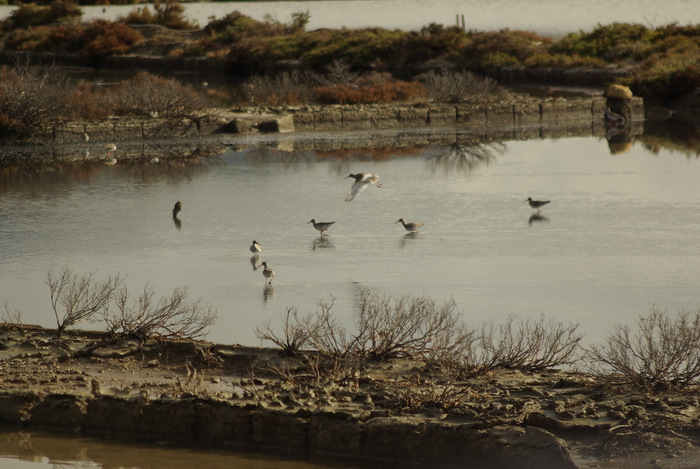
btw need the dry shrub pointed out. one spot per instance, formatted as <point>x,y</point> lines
<point>532,345</point>
<point>458,87</point>
<point>32,99</point>
<point>663,352</point>
<point>173,317</point>
<point>388,327</point>
<point>293,87</point>
<point>80,297</point>
<point>384,327</point>
<point>294,336</point>
<point>87,102</point>
<point>104,37</point>
<point>149,95</point>
<point>370,89</point>
<point>11,318</point>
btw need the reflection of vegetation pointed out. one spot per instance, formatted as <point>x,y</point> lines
<point>673,136</point>
<point>26,169</point>
<point>465,156</point>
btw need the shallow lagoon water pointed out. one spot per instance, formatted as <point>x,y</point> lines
<point>619,236</point>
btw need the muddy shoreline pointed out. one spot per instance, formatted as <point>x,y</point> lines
<point>396,411</point>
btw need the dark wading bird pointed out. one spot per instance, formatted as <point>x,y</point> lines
<point>362,180</point>
<point>538,204</point>
<point>268,273</point>
<point>255,248</point>
<point>322,226</point>
<point>413,227</point>
<point>177,208</point>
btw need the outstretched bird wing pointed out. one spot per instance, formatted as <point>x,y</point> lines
<point>356,188</point>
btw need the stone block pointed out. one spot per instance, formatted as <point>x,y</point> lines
<point>471,115</point>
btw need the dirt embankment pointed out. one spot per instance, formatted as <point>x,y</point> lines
<point>517,110</point>
<point>397,411</point>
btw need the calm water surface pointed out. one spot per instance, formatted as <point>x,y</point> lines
<point>548,17</point>
<point>22,450</point>
<point>620,235</point>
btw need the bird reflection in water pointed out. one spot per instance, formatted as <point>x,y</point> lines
<point>322,242</point>
<point>177,222</point>
<point>408,238</point>
<point>537,218</point>
<point>255,262</point>
<point>268,292</point>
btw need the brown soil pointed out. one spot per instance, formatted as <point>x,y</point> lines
<point>597,425</point>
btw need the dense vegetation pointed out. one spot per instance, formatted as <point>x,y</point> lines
<point>659,61</point>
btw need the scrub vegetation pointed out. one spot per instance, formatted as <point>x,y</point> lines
<point>34,99</point>
<point>657,61</point>
<point>660,354</point>
<point>77,299</point>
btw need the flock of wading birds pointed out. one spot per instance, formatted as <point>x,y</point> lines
<point>362,180</point>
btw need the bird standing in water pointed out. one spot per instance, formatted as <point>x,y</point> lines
<point>322,226</point>
<point>268,273</point>
<point>177,208</point>
<point>255,248</point>
<point>538,204</point>
<point>410,226</point>
<point>362,180</point>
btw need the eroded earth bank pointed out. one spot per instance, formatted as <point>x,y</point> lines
<point>394,411</point>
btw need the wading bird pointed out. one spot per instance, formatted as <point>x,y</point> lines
<point>362,180</point>
<point>177,208</point>
<point>255,247</point>
<point>538,204</point>
<point>410,226</point>
<point>322,226</point>
<point>268,273</point>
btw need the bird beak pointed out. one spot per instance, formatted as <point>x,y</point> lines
<point>308,222</point>
<point>397,222</point>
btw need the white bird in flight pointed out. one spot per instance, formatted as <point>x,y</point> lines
<point>362,180</point>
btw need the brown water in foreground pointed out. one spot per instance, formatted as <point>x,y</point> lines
<point>32,450</point>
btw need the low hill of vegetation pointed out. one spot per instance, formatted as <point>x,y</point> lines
<point>659,61</point>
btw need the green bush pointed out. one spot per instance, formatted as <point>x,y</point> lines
<point>168,14</point>
<point>29,15</point>
<point>500,48</point>
<point>604,40</point>
<point>432,41</point>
